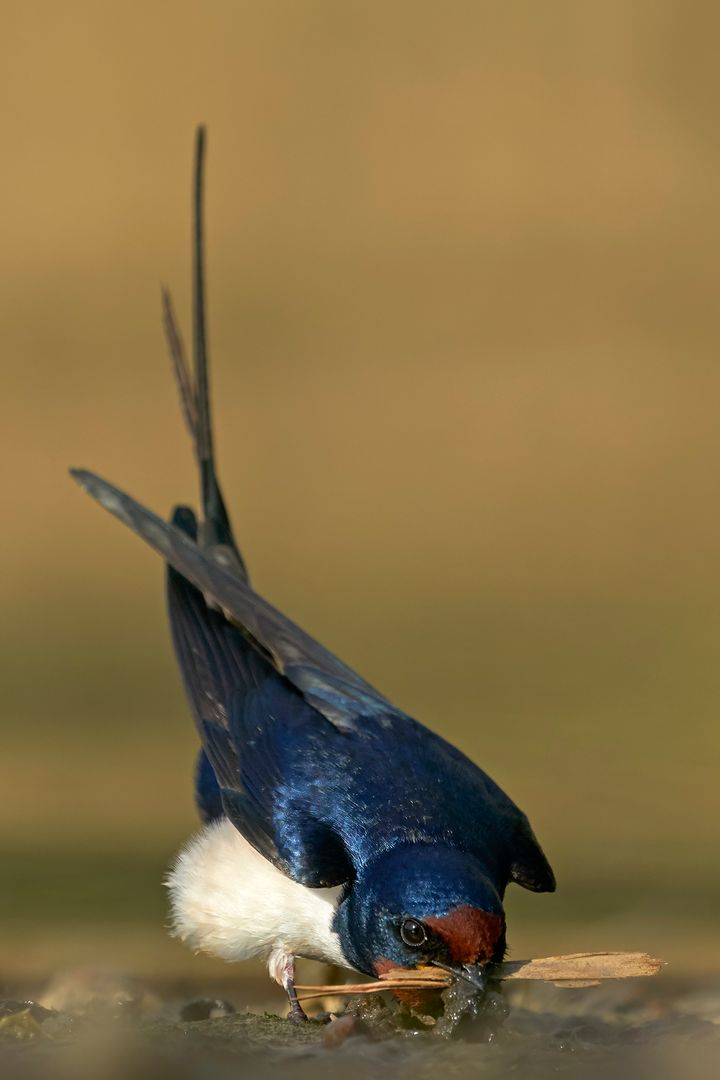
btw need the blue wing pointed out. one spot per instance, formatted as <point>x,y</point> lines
<point>346,795</point>
<point>333,688</point>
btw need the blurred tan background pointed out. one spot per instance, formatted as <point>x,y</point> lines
<point>463,277</point>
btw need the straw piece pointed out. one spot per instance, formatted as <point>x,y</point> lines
<point>574,970</point>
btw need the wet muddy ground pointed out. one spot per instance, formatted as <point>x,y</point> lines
<point>665,1027</point>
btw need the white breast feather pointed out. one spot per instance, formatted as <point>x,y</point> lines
<point>229,901</point>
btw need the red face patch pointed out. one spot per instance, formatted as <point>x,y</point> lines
<point>471,935</point>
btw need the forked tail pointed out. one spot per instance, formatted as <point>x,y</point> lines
<point>194,386</point>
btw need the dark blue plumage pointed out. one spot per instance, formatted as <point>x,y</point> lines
<point>317,770</point>
<point>370,776</point>
<point>208,796</point>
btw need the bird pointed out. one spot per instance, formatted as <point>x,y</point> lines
<point>334,826</point>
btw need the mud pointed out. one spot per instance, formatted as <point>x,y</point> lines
<point>655,1028</point>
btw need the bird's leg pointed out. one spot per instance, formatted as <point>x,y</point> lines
<point>282,969</point>
<point>297,1012</point>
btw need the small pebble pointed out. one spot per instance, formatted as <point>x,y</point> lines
<point>206,1009</point>
<point>38,1012</point>
<point>20,1025</point>
<point>342,1028</point>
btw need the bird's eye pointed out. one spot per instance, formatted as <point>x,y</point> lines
<point>413,933</point>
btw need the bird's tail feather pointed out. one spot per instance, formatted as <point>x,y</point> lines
<point>194,386</point>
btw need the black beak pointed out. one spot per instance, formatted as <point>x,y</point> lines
<point>471,973</point>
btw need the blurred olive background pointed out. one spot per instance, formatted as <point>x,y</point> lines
<point>463,265</point>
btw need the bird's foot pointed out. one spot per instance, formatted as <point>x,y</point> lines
<point>283,969</point>
<point>297,1014</point>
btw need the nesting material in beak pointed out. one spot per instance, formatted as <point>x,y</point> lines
<point>475,974</point>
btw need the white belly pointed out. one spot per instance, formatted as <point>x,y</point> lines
<point>229,901</point>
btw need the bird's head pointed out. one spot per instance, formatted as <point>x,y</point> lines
<point>423,904</point>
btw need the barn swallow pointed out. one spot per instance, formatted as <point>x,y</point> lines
<point>335,826</point>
